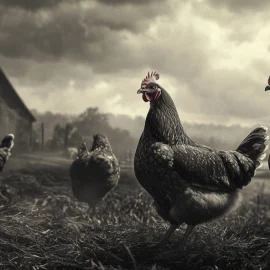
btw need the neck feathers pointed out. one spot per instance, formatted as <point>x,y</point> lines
<point>163,121</point>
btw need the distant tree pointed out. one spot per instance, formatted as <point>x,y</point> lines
<point>64,136</point>
<point>66,130</point>
<point>92,121</point>
<point>57,141</point>
<point>50,120</point>
<point>72,136</point>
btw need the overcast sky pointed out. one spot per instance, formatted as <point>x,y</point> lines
<point>213,56</point>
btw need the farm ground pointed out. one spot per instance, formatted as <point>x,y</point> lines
<point>44,227</point>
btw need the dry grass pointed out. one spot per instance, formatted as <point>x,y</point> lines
<point>43,227</point>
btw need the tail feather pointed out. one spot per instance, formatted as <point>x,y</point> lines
<point>262,156</point>
<point>255,145</point>
<point>83,150</point>
<point>259,166</point>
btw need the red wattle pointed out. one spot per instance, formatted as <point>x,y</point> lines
<point>144,97</point>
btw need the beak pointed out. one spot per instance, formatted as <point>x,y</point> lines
<point>141,91</point>
<point>267,87</point>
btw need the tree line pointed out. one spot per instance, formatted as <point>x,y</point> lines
<point>61,131</point>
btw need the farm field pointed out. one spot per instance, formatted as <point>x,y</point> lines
<point>44,227</point>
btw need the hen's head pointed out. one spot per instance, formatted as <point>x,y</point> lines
<point>268,86</point>
<point>100,141</point>
<point>8,141</point>
<point>150,90</point>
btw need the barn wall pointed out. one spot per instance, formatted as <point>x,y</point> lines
<point>12,122</point>
<point>9,95</point>
<point>14,116</point>
<point>3,118</point>
<point>23,133</point>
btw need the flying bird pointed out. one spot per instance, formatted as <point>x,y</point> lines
<point>268,86</point>
<point>5,149</point>
<point>94,173</point>
<point>189,182</point>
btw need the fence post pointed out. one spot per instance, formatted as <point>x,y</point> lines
<point>66,136</point>
<point>130,158</point>
<point>42,135</point>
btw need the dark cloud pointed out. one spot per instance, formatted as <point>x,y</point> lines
<point>32,4</point>
<point>48,48</point>
<point>133,2</point>
<point>240,34</point>
<point>239,19</point>
<point>230,93</point>
<point>85,34</point>
<point>96,54</point>
<point>237,6</point>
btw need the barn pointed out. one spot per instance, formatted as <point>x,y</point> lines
<point>15,117</point>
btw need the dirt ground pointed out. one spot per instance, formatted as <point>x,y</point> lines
<point>44,227</point>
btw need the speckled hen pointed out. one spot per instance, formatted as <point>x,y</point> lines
<point>94,173</point>
<point>5,149</point>
<point>190,183</point>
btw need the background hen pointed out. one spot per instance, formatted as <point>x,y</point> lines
<point>94,173</point>
<point>5,149</point>
<point>267,88</point>
<point>190,183</point>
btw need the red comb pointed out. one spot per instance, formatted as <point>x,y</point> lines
<point>269,80</point>
<point>154,76</point>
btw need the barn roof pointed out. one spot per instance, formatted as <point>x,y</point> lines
<point>12,98</point>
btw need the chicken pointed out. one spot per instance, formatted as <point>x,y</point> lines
<point>190,183</point>
<point>266,89</point>
<point>268,86</point>
<point>93,174</point>
<point>5,149</point>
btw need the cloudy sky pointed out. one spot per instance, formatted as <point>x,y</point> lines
<point>213,56</point>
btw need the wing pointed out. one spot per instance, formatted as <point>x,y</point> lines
<point>106,162</point>
<point>211,169</point>
<point>97,172</point>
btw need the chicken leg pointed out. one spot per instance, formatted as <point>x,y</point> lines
<point>167,235</point>
<point>185,237</point>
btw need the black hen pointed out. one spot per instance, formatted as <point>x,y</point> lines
<point>5,149</point>
<point>190,183</point>
<point>93,174</point>
<point>267,88</point>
